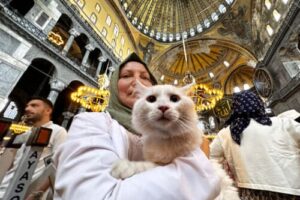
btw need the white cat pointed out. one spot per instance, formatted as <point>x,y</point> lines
<point>167,120</point>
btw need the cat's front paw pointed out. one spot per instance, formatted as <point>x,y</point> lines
<point>122,169</point>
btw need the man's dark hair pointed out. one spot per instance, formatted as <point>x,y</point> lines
<point>43,99</point>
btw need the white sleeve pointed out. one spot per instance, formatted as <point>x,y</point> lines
<point>85,160</point>
<point>60,137</point>
<point>293,129</point>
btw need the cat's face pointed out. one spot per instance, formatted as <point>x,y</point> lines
<point>163,110</point>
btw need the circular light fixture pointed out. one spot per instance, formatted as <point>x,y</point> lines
<point>19,128</point>
<point>204,97</point>
<point>95,99</point>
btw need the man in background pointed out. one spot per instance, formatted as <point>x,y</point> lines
<point>37,113</point>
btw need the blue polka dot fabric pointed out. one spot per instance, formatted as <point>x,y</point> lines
<point>246,105</point>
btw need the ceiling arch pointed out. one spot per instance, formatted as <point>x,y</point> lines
<point>241,76</point>
<point>208,60</point>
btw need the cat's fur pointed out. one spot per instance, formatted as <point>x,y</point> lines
<point>167,120</point>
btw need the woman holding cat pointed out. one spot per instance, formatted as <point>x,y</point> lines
<point>97,140</point>
<point>262,152</point>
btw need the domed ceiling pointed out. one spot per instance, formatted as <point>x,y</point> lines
<point>219,42</point>
<point>172,20</point>
<point>218,63</point>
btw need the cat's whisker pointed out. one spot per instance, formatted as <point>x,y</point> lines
<point>185,123</point>
<point>183,126</point>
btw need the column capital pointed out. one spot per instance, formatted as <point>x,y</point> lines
<point>57,85</point>
<point>111,69</point>
<point>74,32</point>
<point>101,58</point>
<point>89,47</point>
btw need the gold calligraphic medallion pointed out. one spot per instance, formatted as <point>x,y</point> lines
<point>223,108</point>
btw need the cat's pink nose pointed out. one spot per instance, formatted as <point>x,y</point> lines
<point>163,108</point>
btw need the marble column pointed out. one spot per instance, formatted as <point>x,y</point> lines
<point>110,72</point>
<point>56,87</point>
<point>88,50</point>
<point>81,109</point>
<point>67,116</point>
<point>101,59</point>
<point>73,33</point>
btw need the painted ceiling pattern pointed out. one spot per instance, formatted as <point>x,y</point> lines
<point>172,20</point>
<point>222,54</point>
<point>209,61</point>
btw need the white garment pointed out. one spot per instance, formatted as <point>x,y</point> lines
<point>96,141</point>
<point>58,136</point>
<point>268,157</point>
<point>292,114</point>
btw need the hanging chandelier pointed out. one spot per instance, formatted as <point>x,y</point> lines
<point>93,98</point>
<point>204,97</point>
<point>55,38</point>
<point>19,128</point>
<point>174,20</point>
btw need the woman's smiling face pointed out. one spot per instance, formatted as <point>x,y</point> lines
<point>129,75</point>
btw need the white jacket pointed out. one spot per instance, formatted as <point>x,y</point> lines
<point>96,141</point>
<point>268,157</point>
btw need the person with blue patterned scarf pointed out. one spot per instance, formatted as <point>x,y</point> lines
<point>262,152</point>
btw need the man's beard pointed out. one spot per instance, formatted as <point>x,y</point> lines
<point>32,119</point>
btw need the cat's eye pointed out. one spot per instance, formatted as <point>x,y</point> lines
<point>174,98</point>
<point>151,98</point>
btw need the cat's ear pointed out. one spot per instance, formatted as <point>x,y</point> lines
<point>139,88</point>
<point>187,89</point>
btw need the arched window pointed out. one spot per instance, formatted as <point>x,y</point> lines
<point>22,7</point>
<point>11,111</point>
